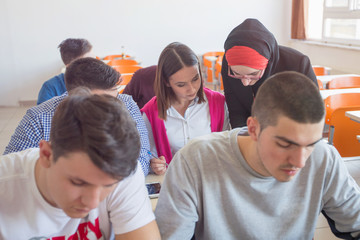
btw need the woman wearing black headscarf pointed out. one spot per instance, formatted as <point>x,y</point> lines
<point>251,56</point>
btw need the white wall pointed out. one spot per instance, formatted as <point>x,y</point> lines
<point>32,30</point>
<point>339,59</point>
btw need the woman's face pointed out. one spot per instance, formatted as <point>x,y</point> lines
<point>248,76</point>
<point>185,83</point>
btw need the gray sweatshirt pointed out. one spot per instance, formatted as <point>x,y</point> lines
<point>209,190</point>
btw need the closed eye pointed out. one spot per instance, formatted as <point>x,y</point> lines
<point>284,145</point>
<point>77,183</point>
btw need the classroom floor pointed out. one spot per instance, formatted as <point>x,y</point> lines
<point>11,116</point>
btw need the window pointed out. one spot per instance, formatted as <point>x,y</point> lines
<point>335,21</point>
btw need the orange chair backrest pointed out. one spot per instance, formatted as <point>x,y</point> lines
<point>345,132</point>
<point>336,101</point>
<point>111,57</point>
<point>319,71</point>
<point>126,68</point>
<point>345,82</point>
<point>218,65</point>
<point>118,62</point>
<point>208,64</point>
<point>320,84</point>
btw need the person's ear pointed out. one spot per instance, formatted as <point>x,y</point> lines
<point>46,156</point>
<point>253,128</point>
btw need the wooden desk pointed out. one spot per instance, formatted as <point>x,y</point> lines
<point>327,92</point>
<point>327,78</point>
<point>353,115</point>
<point>154,178</point>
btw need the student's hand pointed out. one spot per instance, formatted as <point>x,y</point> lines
<point>158,165</point>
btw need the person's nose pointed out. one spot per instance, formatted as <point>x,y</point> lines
<point>192,88</point>
<point>245,81</point>
<point>91,197</point>
<point>299,156</point>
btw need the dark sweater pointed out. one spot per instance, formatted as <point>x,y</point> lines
<point>253,34</point>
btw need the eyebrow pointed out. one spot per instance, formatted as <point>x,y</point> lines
<point>197,75</point>
<point>86,183</point>
<point>295,143</point>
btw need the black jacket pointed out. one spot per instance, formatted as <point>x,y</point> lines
<point>253,34</point>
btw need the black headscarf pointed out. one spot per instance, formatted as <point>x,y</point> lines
<point>253,34</point>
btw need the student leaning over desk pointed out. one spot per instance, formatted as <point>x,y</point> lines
<point>252,55</point>
<point>182,108</point>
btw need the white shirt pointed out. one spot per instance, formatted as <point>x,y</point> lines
<point>180,130</point>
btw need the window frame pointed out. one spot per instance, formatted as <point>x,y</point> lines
<point>348,12</point>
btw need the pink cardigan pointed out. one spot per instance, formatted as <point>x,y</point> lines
<point>216,108</point>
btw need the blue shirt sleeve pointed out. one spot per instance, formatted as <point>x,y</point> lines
<point>52,88</point>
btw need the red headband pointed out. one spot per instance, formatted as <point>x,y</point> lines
<point>242,55</point>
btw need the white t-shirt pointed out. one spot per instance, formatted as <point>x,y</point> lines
<point>24,214</point>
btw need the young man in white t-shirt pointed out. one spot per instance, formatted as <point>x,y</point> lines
<point>84,184</point>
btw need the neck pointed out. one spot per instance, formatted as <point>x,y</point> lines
<point>181,106</point>
<point>40,181</point>
<point>248,149</point>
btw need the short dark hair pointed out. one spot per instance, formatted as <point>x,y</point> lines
<point>173,58</point>
<point>290,94</point>
<point>73,48</point>
<point>91,73</point>
<point>99,125</point>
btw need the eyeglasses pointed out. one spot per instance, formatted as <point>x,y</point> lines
<point>253,76</point>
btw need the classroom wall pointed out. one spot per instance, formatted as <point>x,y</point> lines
<point>32,30</point>
<point>339,59</point>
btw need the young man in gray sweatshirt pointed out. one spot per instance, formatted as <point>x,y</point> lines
<point>272,184</point>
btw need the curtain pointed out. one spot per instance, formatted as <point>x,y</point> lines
<point>299,19</point>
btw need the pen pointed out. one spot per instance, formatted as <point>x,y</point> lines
<point>153,156</point>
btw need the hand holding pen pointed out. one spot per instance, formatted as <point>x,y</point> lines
<point>158,164</point>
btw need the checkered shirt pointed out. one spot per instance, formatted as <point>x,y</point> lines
<point>35,126</point>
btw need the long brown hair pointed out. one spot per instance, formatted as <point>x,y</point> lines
<point>172,59</point>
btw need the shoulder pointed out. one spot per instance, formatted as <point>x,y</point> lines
<point>16,164</point>
<point>48,106</point>
<point>213,94</point>
<point>324,156</point>
<point>150,105</point>
<point>291,54</point>
<point>55,80</point>
<point>128,101</point>
<point>206,144</point>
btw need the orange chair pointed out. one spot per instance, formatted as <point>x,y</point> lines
<point>320,84</point>
<point>208,66</point>
<point>118,62</point>
<point>344,82</point>
<point>126,68</point>
<point>218,65</point>
<point>319,71</point>
<point>333,102</point>
<point>120,56</point>
<point>344,132</point>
